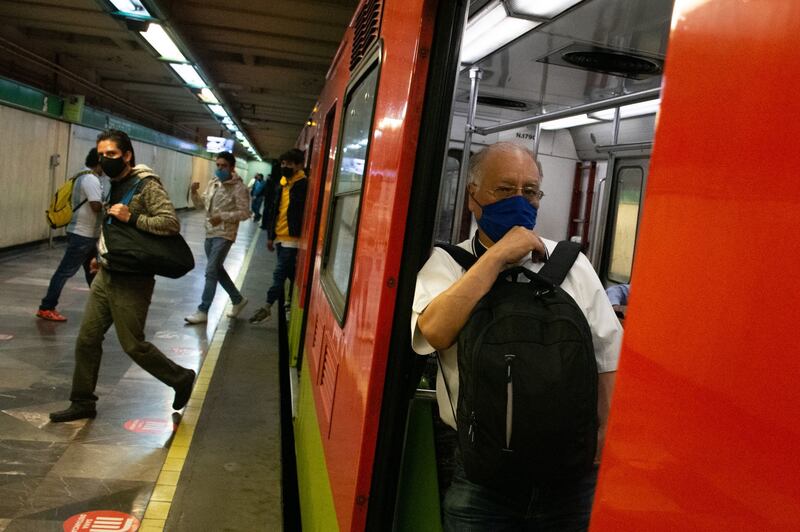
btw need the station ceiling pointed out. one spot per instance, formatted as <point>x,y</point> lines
<point>266,60</point>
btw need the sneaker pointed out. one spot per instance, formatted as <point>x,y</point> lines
<point>261,314</point>
<point>237,308</point>
<point>197,317</point>
<point>183,390</point>
<point>74,412</point>
<point>50,315</point>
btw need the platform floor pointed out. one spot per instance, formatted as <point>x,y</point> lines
<point>214,467</point>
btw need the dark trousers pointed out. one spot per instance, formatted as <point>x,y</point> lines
<point>283,270</point>
<point>80,251</point>
<point>547,507</point>
<point>122,300</point>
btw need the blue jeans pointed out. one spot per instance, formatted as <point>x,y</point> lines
<point>546,507</point>
<point>216,250</point>
<point>255,206</point>
<point>283,270</point>
<point>80,252</point>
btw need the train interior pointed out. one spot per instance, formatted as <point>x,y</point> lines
<point>581,90</point>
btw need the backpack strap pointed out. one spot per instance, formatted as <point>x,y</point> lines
<point>560,262</point>
<point>76,184</point>
<point>464,258</point>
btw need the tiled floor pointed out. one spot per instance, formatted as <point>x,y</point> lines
<point>49,472</point>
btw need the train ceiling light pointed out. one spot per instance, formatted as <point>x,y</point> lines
<point>167,47</point>
<point>571,121</point>
<point>539,9</point>
<point>503,21</point>
<point>626,111</point>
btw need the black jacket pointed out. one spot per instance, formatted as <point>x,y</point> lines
<point>297,205</point>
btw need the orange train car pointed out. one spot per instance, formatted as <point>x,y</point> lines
<point>660,128</point>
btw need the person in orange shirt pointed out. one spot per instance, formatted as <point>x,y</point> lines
<point>284,226</point>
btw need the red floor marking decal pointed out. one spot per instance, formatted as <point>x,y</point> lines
<point>101,521</point>
<point>150,425</point>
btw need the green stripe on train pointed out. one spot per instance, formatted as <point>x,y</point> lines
<point>317,510</point>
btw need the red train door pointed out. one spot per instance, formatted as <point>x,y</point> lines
<point>349,413</point>
<point>703,432</point>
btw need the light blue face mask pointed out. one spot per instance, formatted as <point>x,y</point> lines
<point>498,218</point>
<point>222,174</point>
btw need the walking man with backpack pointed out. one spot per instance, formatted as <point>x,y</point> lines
<point>89,190</point>
<point>527,358</point>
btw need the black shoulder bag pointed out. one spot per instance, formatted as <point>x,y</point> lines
<point>133,251</point>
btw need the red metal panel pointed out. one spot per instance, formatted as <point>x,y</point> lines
<point>362,342</point>
<point>704,432</point>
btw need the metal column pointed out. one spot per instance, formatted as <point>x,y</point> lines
<point>475,75</point>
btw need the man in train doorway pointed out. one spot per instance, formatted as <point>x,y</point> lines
<point>504,196</point>
<point>90,191</point>
<point>284,226</point>
<point>225,201</point>
<point>124,298</point>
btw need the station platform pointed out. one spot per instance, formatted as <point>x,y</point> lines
<point>214,466</point>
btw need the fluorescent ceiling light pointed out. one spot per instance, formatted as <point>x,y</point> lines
<point>228,121</point>
<point>189,75</point>
<point>158,39</point>
<point>207,96</point>
<point>240,135</point>
<point>626,111</point>
<point>540,8</point>
<point>571,121</point>
<point>491,30</point>
<point>218,110</point>
<point>131,7</point>
<point>232,127</point>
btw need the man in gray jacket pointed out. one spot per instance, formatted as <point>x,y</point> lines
<point>226,202</point>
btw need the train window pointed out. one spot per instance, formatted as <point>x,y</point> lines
<point>627,206</point>
<point>352,161</point>
<point>447,198</point>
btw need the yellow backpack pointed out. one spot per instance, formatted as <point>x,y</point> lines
<point>60,212</point>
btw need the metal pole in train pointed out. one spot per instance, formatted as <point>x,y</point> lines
<point>641,96</point>
<point>475,75</point>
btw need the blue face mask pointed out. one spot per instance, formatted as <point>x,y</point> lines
<point>498,218</point>
<point>222,174</point>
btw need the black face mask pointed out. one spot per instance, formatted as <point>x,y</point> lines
<point>287,171</point>
<point>112,167</point>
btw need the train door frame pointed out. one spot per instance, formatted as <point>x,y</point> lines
<point>403,368</point>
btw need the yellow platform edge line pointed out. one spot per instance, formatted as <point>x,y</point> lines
<point>158,507</point>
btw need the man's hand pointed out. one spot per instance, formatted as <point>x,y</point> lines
<point>195,186</point>
<point>517,243</point>
<point>120,212</point>
<point>215,220</point>
<point>270,245</point>
<point>94,267</point>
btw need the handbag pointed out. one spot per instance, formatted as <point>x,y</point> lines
<point>130,250</point>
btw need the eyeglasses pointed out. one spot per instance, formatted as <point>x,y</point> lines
<point>505,191</point>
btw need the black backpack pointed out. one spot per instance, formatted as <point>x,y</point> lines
<point>527,408</point>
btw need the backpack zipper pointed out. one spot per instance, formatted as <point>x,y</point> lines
<point>509,400</point>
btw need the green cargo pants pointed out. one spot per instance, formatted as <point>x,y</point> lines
<point>122,300</point>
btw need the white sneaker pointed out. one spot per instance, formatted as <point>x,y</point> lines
<point>197,317</point>
<point>236,309</point>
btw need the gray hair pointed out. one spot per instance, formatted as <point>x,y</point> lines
<point>476,161</point>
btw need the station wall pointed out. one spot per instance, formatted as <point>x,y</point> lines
<point>28,182</point>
